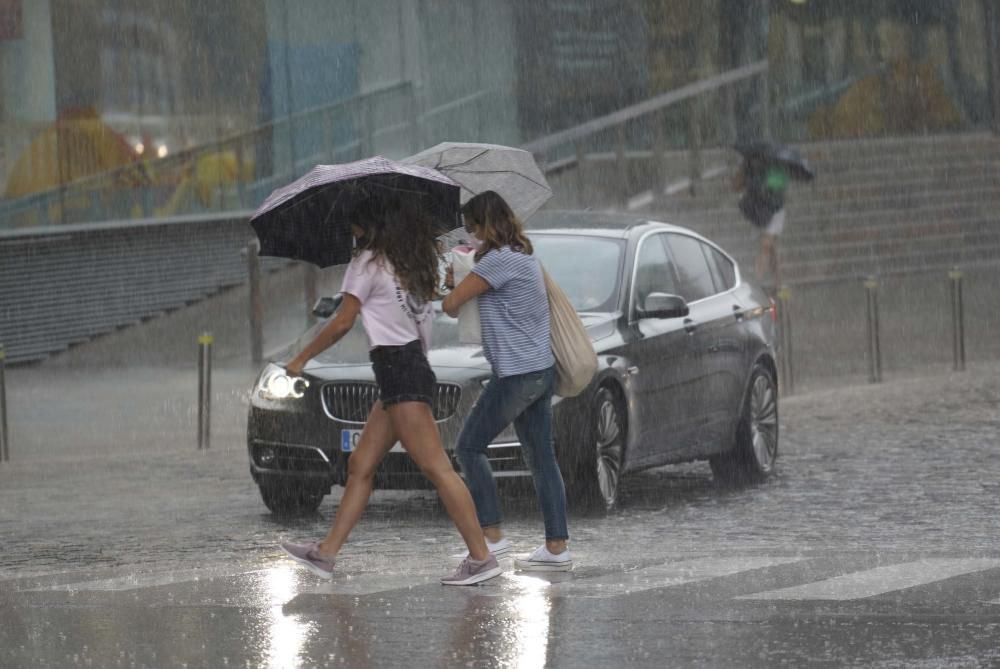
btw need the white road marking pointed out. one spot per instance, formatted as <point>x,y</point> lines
<point>879,580</point>
<point>137,581</point>
<point>665,575</point>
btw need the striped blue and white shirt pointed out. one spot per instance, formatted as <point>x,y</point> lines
<point>514,314</point>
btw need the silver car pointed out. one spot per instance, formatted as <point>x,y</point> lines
<point>687,371</point>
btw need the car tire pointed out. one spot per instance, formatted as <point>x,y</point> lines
<point>599,466</point>
<point>755,448</point>
<point>290,499</point>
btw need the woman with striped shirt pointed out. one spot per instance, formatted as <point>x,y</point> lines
<point>514,317</point>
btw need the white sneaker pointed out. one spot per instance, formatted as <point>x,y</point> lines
<point>498,549</point>
<point>543,560</point>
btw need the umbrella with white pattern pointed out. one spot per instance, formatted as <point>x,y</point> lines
<point>509,171</point>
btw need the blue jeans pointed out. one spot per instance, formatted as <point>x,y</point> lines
<point>525,400</point>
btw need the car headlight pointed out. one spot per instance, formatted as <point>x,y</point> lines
<point>274,383</point>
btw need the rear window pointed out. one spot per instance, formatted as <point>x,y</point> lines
<point>693,272</point>
<point>724,272</point>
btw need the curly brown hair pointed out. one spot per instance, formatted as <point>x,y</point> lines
<point>404,236</point>
<point>500,226</point>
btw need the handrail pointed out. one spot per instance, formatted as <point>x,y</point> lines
<point>645,107</point>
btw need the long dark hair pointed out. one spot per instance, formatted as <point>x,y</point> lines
<point>404,236</point>
<point>500,226</point>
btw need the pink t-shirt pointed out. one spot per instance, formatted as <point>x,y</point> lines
<point>391,316</point>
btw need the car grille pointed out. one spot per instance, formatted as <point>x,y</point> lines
<point>352,402</point>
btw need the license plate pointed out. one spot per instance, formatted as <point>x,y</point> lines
<point>349,441</point>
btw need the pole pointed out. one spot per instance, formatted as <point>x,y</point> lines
<point>204,390</point>
<point>256,303</point>
<point>4,443</point>
<point>622,165</point>
<point>581,175</point>
<point>311,291</point>
<point>874,350</point>
<point>957,320</point>
<point>659,170</point>
<point>694,145</point>
<point>785,340</point>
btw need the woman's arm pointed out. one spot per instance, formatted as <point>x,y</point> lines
<point>331,333</point>
<point>472,286</point>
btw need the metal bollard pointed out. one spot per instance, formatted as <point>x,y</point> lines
<point>4,444</point>
<point>310,285</point>
<point>785,339</point>
<point>957,321</point>
<point>204,390</point>
<point>874,350</point>
<point>256,303</point>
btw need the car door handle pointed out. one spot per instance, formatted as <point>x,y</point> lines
<point>690,326</point>
<point>738,312</point>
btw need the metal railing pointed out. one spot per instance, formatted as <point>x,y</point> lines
<point>676,119</point>
<point>238,171</point>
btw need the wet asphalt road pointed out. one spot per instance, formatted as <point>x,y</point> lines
<point>875,545</point>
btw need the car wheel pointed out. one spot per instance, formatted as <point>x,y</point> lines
<point>290,499</point>
<point>600,466</point>
<point>753,455</point>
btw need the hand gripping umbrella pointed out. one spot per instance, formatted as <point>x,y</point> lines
<point>509,171</point>
<point>309,219</point>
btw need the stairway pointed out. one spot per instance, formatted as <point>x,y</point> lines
<point>877,207</point>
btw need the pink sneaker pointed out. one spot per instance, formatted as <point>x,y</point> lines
<point>308,556</point>
<point>472,571</point>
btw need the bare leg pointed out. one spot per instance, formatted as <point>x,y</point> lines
<point>766,262</point>
<point>774,263</point>
<point>376,440</point>
<point>494,534</point>
<point>414,423</point>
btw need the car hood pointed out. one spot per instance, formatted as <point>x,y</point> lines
<point>445,351</point>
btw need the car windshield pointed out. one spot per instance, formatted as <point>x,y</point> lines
<point>593,290</point>
<point>586,268</point>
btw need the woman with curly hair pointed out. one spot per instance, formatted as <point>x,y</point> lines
<point>390,282</point>
<point>514,318</point>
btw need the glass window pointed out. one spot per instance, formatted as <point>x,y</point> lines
<point>586,268</point>
<point>722,269</point>
<point>654,272</point>
<point>695,278</point>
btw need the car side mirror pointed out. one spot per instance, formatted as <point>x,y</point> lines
<point>327,306</point>
<point>663,305</point>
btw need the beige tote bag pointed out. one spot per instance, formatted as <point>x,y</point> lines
<point>576,361</point>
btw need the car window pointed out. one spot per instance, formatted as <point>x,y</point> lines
<point>654,272</point>
<point>586,268</point>
<point>724,272</point>
<point>695,278</point>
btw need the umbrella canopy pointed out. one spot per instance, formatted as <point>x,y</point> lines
<point>786,156</point>
<point>309,219</point>
<point>509,171</point>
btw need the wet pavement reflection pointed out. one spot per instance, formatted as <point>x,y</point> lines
<point>875,545</point>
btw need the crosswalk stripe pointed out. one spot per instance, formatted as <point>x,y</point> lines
<point>135,581</point>
<point>665,575</point>
<point>879,580</point>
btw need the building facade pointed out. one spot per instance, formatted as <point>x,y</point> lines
<point>130,109</point>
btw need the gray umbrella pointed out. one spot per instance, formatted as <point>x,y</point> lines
<point>509,171</point>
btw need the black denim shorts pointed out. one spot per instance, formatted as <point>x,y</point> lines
<point>403,374</point>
